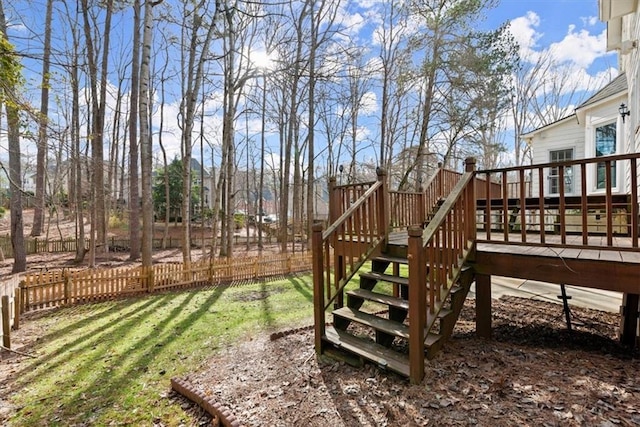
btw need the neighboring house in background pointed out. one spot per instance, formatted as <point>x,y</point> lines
<point>595,129</point>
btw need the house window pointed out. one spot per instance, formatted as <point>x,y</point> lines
<point>605,146</point>
<point>554,173</point>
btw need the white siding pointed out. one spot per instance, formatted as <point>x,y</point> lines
<point>564,135</point>
<point>602,114</point>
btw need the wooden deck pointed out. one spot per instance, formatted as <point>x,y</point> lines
<point>467,229</point>
<point>596,266</point>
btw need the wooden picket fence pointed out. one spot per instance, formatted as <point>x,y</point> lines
<point>66,286</point>
<point>9,307</point>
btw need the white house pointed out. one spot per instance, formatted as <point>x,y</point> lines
<point>596,128</point>
<point>623,32</point>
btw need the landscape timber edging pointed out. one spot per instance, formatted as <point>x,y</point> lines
<point>213,408</point>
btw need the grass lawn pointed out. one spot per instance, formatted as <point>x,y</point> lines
<point>110,363</point>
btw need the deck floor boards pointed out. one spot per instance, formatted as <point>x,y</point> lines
<point>596,249</point>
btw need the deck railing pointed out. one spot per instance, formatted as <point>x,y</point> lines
<point>412,208</point>
<point>435,262</point>
<point>581,203</point>
<point>341,249</point>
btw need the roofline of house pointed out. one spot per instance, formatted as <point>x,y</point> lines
<point>531,134</point>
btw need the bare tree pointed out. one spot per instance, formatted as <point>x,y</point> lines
<point>197,37</point>
<point>145,138</point>
<point>134,154</point>
<point>38,213</point>
<point>10,76</point>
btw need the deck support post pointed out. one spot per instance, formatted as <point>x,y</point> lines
<point>629,322</point>
<point>483,305</point>
<point>417,304</point>
<point>318,286</point>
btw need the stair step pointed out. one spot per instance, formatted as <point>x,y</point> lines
<point>431,340</point>
<point>392,259</point>
<point>384,325</point>
<point>382,356</point>
<point>386,278</point>
<point>444,312</point>
<point>389,300</point>
<point>378,323</point>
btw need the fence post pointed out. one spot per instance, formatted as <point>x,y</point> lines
<point>16,309</point>
<point>318,285</point>
<point>333,205</point>
<point>6,327</point>
<point>24,300</point>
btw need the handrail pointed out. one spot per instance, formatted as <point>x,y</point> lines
<point>590,198</point>
<point>353,208</point>
<point>435,256</point>
<point>445,228</point>
<point>412,208</point>
<point>575,162</point>
<point>340,250</point>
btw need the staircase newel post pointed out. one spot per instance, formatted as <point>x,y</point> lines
<point>470,220</point>
<point>440,181</point>
<point>333,202</point>
<point>417,304</point>
<point>384,204</point>
<point>318,285</point>
<point>422,206</point>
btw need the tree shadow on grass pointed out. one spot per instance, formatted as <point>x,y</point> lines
<point>110,384</point>
<point>91,337</point>
<point>96,312</point>
<point>267,310</point>
<point>302,287</point>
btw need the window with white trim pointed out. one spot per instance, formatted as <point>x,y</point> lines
<point>605,145</point>
<point>554,172</point>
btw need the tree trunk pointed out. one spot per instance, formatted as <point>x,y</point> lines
<point>38,212</point>
<point>145,139</point>
<point>134,192</point>
<point>15,175</point>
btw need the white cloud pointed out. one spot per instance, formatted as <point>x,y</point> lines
<point>589,21</point>
<point>524,31</point>
<point>369,103</point>
<point>579,47</point>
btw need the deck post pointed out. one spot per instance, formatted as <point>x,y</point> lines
<point>384,205</point>
<point>417,301</point>
<point>483,305</point>
<point>333,205</point>
<point>629,322</point>
<point>470,217</point>
<point>318,286</point>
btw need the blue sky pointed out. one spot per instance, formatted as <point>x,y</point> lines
<point>571,26</point>
<point>568,30</point>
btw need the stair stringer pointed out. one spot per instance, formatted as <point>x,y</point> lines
<point>453,298</point>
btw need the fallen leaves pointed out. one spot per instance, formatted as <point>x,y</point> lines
<point>533,373</point>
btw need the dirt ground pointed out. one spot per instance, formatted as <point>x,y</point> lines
<point>65,228</point>
<point>533,373</point>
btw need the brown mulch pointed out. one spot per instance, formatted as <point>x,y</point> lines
<point>533,373</point>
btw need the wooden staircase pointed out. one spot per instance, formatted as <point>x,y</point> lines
<point>374,324</point>
<point>404,290</point>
